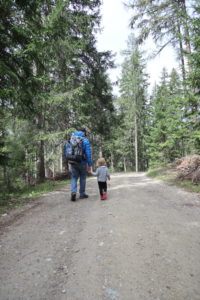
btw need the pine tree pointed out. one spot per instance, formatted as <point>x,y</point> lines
<point>194,80</point>
<point>168,135</point>
<point>166,21</point>
<point>133,85</point>
<point>158,131</point>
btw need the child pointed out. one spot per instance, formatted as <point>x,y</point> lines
<point>102,174</point>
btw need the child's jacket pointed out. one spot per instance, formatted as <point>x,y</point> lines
<point>102,173</point>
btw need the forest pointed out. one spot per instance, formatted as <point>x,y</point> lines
<point>54,81</point>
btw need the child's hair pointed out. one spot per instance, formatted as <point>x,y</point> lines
<point>101,161</point>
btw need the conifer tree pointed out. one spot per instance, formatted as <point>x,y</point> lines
<point>166,21</point>
<point>194,79</point>
<point>132,102</point>
<point>168,135</point>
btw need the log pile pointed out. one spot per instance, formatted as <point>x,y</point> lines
<point>188,168</point>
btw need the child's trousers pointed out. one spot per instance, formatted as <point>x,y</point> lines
<point>102,187</point>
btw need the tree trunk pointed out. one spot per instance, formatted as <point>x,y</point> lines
<point>53,169</point>
<point>186,35</point>
<point>28,172</point>
<point>186,29</point>
<point>40,162</point>
<point>61,159</point>
<point>39,118</point>
<point>136,144</point>
<point>100,147</point>
<point>181,55</point>
<point>6,178</point>
<point>100,152</point>
<point>124,160</point>
<point>64,160</point>
<point>111,161</point>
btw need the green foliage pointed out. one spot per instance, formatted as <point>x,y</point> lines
<point>160,172</point>
<point>193,98</point>
<point>167,121</point>
<point>132,109</point>
<point>166,21</point>
<point>53,79</point>
<point>194,57</point>
<point>168,174</point>
<point>25,193</point>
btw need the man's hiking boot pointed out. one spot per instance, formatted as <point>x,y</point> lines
<point>73,197</point>
<point>84,196</point>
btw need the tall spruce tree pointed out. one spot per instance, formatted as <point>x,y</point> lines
<point>166,21</point>
<point>194,79</point>
<point>168,136</point>
<point>132,102</point>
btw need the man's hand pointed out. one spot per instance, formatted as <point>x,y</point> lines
<point>89,169</point>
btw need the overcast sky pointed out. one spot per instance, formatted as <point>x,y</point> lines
<point>114,36</point>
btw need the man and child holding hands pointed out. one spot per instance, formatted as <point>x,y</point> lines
<point>78,154</point>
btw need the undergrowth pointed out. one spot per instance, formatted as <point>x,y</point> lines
<point>27,194</point>
<point>170,175</point>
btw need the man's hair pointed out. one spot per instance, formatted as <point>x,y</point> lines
<point>83,130</point>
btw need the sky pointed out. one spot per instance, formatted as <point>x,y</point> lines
<point>114,36</point>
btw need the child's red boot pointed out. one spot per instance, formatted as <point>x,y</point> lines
<point>104,195</point>
<point>102,198</point>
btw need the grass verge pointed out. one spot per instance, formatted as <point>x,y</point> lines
<point>27,194</point>
<point>170,175</point>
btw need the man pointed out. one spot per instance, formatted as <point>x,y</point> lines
<point>80,169</point>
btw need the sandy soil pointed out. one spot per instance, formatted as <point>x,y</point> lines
<point>143,243</point>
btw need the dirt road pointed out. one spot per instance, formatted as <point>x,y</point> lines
<point>143,243</point>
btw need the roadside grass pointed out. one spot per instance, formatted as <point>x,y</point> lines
<point>169,174</point>
<point>26,194</point>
